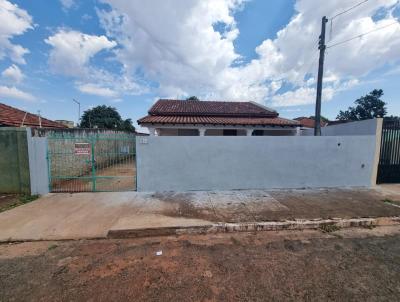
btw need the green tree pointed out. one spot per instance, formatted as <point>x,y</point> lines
<point>105,117</point>
<point>367,107</point>
<point>193,98</point>
<point>393,117</point>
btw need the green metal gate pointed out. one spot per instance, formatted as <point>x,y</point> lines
<point>100,163</point>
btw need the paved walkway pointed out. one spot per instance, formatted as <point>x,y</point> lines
<point>93,215</point>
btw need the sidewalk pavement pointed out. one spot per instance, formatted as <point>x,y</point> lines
<point>95,215</point>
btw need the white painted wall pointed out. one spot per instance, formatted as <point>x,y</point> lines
<point>38,166</point>
<point>366,127</point>
<point>226,163</point>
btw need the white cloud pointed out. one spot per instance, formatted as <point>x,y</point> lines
<point>98,90</point>
<point>86,17</point>
<point>15,93</point>
<point>301,96</point>
<point>71,55</point>
<point>72,51</point>
<point>67,4</point>
<point>13,74</point>
<point>185,55</point>
<point>116,101</point>
<point>14,22</point>
<point>182,52</point>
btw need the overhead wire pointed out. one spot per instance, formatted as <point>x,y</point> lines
<point>349,9</point>
<point>362,35</point>
<point>342,13</point>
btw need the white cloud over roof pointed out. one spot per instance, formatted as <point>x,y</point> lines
<point>174,43</point>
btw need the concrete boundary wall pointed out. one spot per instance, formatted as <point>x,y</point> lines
<point>14,162</point>
<point>226,163</point>
<point>366,127</point>
<point>38,166</point>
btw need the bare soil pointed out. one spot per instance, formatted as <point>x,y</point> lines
<point>6,200</point>
<point>353,264</point>
<point>10,201</point>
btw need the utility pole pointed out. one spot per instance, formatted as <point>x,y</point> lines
<point>79,109</point>
<point>321,47</point>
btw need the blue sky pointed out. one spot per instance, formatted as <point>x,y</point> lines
<point>129,53</point>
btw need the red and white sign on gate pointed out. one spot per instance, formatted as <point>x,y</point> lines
<point>82,149</point>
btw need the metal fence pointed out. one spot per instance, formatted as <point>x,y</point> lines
<point>91,163</point>
<point>389,161</point>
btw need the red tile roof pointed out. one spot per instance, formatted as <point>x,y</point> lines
<point>308,122</point>
<point>210,108</point>
<point>13,117</point>
<point>215,113</point>
<point>216,120</point>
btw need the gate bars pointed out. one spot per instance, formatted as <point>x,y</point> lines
<point>389,160</point>
<point>100,163</point>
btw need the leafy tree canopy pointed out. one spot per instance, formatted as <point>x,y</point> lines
<point>367,107</point>
<point>193,98</point>
<point>105,117</point>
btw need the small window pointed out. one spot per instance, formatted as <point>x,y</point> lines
<point>230,132</point>
<point>258,133</point>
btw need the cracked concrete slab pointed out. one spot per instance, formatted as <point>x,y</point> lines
<point>92,215</point>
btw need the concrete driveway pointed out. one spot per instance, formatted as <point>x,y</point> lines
<point>93,215</point>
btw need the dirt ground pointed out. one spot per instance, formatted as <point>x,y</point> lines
<point>7,200</point>
<point>349,264</point>
<point>10,201</point>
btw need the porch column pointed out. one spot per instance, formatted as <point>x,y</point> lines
<point>202,131</point>
<point>298,131</point>
<point>249,132</point>
<point>152,131</point>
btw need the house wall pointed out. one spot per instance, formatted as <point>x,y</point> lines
<point>219,132</point>
<point>279,132</point>
<point>177,132</point>
<point>225,163</point>
<point>214,132</point>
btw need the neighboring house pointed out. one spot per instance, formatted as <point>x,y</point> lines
<point>13,117</point>
<point>309,122</point>
<point>68,124</point>
<point>194,118</point>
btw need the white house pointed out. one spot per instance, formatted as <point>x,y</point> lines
<point>212,118</point>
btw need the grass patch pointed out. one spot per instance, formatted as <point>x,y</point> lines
<point>329,228</point>
<point>388,200</point>
<point>19,200</point>
<point>52,247</point>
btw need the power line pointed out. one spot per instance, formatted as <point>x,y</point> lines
<point>362,35</point>
<point>347,10</point>
<point>341,13</point>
